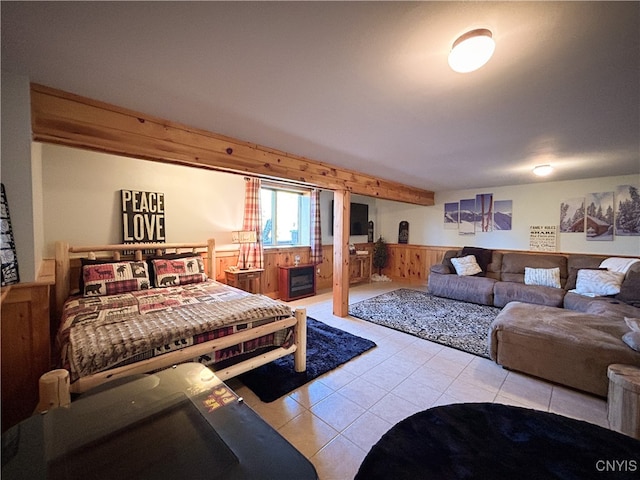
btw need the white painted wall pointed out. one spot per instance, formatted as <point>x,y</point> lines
<point>82,205</point>
<point>81,191</point>
<point>533,204</point>
<point>21,174</point>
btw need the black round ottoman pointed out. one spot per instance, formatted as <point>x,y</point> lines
<point>494,441</point>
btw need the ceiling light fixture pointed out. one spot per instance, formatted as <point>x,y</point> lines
<point>471,50</point>
<point>542,170</point>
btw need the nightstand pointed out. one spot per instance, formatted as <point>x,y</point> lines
<point>249,280</point>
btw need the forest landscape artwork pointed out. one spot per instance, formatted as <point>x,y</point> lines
<point>572,215</point>
<point>599,219</point>
<point>627,219</point>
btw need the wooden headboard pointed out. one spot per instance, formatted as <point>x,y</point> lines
<point>68,260</point>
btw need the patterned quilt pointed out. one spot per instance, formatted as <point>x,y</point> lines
<point>98,333</point>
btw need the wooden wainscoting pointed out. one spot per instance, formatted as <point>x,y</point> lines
<point>410,263</point>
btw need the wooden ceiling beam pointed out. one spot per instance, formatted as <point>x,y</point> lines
<point>68,119</point>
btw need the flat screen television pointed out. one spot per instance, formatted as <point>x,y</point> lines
<point>359,221</point>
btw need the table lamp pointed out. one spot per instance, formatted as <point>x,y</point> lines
<point>244,236</point>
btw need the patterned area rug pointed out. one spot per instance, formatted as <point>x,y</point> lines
<point>460,325</point>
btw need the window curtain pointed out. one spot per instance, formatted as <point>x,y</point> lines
<point>252,221</point>
<point>316,234</point>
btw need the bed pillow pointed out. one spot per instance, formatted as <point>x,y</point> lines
<point>112,278</point>
<point>545,277</point>
<point>466,266</point>
<point>170,272</point>
<point>598,282</point>
<point>166,256</point>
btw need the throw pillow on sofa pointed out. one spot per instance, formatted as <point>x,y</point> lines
<point>483,257</point>
<point>466,265</point>
<point>595,283</point>
<point>546,277</point>
<point>632,338</point>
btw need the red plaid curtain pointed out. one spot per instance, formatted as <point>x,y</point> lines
<point>316,234</point>
<point>252,221</point>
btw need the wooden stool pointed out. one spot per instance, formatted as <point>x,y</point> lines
<point>623,402</point>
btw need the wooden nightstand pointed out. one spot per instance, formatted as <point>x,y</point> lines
<point>249,280</point>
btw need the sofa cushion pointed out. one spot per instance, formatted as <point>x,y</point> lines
<point>545,277</point>
<point>572,348</point>
<point>466,266</point>
<point>630,289</point>
<point>606,306</point>
<point>505,292</point>
<point>468,289</point>
<point>513,265</point>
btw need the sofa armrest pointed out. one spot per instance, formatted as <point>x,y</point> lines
<point>440,268</point>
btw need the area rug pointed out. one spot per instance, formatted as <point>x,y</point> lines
<point>477,441</point>
<point>461,325</point>
<point>327,348</point>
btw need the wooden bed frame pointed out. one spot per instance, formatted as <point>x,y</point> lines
<point>68,266</point>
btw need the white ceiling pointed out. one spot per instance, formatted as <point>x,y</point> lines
<point>361,85</point>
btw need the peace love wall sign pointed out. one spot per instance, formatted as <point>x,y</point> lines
<point>142,217</point>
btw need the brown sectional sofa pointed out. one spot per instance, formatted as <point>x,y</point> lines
<point>548,332</point>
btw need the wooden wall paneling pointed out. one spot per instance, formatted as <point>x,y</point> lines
<point>68,119</point>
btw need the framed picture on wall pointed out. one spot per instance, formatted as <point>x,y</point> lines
<point>10,274</point>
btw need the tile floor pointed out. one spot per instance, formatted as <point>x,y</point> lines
<point>335,419</point>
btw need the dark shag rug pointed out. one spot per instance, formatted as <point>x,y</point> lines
<point>479,441</point>
<point>460,325</point>
<point>327,348</point>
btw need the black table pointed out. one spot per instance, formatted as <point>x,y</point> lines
<point>181,423</point>
<point>493,441</point>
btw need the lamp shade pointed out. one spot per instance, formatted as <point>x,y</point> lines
<point>244,236</point>
<point>471,50</point>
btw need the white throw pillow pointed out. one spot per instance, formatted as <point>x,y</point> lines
<point>598,282</point>
<point>546,277</point>
<point>466,265</point>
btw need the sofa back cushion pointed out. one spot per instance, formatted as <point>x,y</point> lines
<point>513,265</point>
<point>576,262</point>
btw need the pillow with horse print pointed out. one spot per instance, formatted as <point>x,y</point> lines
<point>178,271</point>
<point>112,278</point>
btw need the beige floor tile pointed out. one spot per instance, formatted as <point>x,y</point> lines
<point>393,408</point>
<point>469,392</point>
<point>416,393</point>
<point>363,392</point>
<point>444,365</point>
<point>308,433</point>
<point>455,356</point>
<point>528,390</point>
<point>279,412</point>
<point>338,411</point>
<point>571,403</point>
<point>339,460</point>
<point>431,378</point>
<point>311,393</point>
<point>338,378</point>
<point>367,430</point>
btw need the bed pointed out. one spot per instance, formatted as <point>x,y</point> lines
<point>137,308</point>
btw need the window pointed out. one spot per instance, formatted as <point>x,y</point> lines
<point>285,216</point>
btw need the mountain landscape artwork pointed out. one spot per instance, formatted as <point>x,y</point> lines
<point>502,214</point>
<point>451,216</point>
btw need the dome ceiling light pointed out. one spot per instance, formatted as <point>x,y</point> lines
<point>471,50</point>
<point>542,170</point>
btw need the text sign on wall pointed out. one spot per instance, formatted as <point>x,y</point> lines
<point>142,217</point>
<point>542,238</point>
